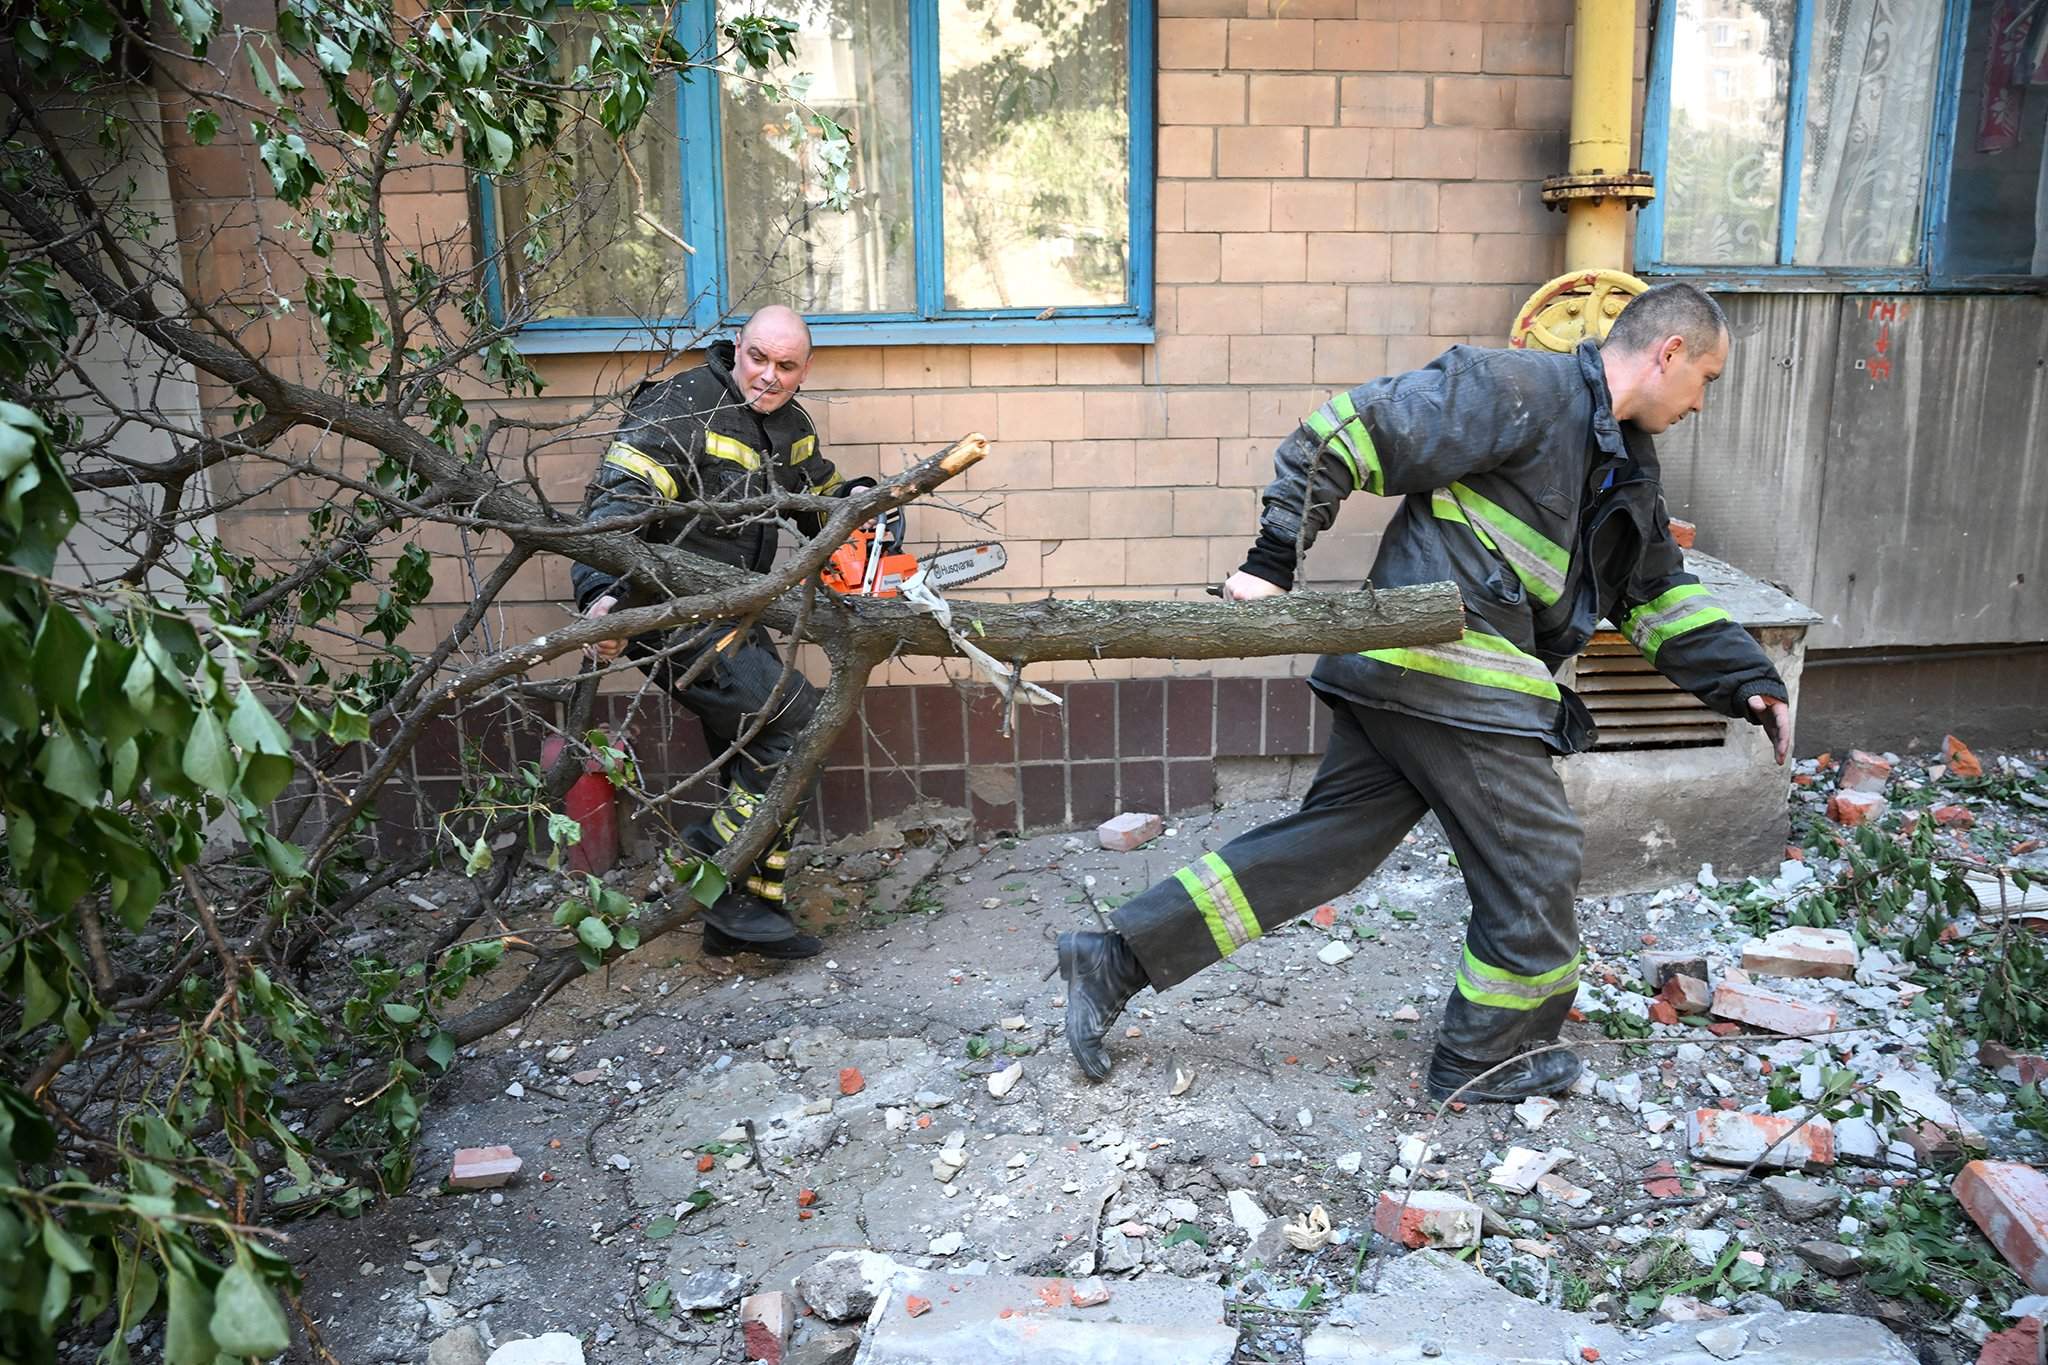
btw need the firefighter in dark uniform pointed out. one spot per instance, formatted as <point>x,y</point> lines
<point>1531,481</point>
<point>726,430</point>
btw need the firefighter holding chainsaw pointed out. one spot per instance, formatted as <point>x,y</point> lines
<point>1531,481</point>
<point>729,429</point>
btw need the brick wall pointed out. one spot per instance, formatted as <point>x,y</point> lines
<point>1345,188</point>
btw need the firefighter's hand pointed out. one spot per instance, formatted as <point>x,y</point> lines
<point>604,651</point>
<point>1246,587</point>
<point>1776,718</point>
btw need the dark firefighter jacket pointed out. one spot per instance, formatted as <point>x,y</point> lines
<point>1520,486</point>
<point>694,439</point>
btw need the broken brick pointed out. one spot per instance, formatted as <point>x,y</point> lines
<point>1864,773</point>
<point>1961,762</point>
<point>1937,1144</point>
<point>1687,994</point>
<point>1122,833</point>
<point>1738,1139</point>
<point>764,1326</point>
<point>1682,533</point>
<point>1723,1029</point>
<point>2009,1201</point>
<point>706,1162</point>
<point>1427,1218</point>
<point>2019,1344</point>
<point>1856,808</point>
<point>1325,916</point>
<point>806,1198</point>
<point>916,1305</point>
<point>1664,1187</point>
<point>1954,816</point>
<point>1801,951</point>
<point>851,1082</point>
<point>1767,1010</point>
<point>1662,1013</point>
<point>483,1168</point>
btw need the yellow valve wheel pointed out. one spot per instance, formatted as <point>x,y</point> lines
<point>1572,307</point>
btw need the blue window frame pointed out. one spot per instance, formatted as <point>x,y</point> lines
<point>1751,106</point>
<point>933,204</point>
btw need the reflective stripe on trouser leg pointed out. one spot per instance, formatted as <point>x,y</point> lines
<point>1484,984</point>
<point>1354,814</point>
<point>1503,808</point>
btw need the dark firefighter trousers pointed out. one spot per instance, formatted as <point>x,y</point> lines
<point>728,696</point>
<point>1501,804</point>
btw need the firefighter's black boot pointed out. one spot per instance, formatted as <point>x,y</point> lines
<point>1102,974</point>
<point>1473,1039</point>
<point>717,943</point>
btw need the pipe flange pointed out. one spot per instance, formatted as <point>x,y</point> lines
<point>1633,188</point>
<point>1572,307</point>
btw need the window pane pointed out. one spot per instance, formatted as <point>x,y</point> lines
<point>1869,116</point>
<point>1729,74</point>
<point>1035,152</point>
<point>1998,190</point>
<point>783,245</point>
<point>603,258</point>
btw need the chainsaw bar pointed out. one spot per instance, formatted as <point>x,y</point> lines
<point>951,568</point>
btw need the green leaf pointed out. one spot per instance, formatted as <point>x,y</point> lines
<point>595,933</point>
<point>253,727</point>
<point>700,1200</point>
<point>69,769</point>
<point>208,760</point>
<point>1186,1232</point>
<point>187,1341</point>
<point>64,1250</point>
<point>247,1318</point>
<point>63,651</point>
<point>39,1001</point>
<point>399,1013</point>
<point>441,1049</point>
<point>661,1229</point>
<point>348,725</point>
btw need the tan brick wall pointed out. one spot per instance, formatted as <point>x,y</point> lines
<point>1346,187</point>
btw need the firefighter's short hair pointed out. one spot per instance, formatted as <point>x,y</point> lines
<point>1675,309</point>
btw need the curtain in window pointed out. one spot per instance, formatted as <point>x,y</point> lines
<point>1869,115</point>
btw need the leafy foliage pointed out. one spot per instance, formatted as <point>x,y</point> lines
<point>171,1085</point>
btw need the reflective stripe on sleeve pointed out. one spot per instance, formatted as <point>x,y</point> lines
<point>1664,618</point>
<point>643,467</point>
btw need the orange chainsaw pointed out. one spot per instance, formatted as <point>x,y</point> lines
<point>873,563</point>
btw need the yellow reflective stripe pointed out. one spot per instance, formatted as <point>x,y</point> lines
<point>805,447</point>
<point>1536,559</point>
<point>1685,608</point>
<point>766,890</point>
<point>728,448</point>
<point>830,485</point>
<point>1213,888</point>
<point>1361,441</point>
<point>777,860</point>
<point>1447,509</point>
<point>1328,438</point>
<point>642,466</point>
<point>1480,659</point>
<point>1484,984</point>
<point>723,823</point>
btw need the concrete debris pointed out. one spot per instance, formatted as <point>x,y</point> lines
<point>1830,1258</point>
<point>1519,1171</point>
<point>845,1285</point>
<point>1004,1081</point>
<point>1737,1139</point>
<point>1801,1201</point>
<point>1246,1213</point>
<point>1724,1342</point>
<point>706,1289</point>
<point>1535,1111</point>
<point>1864,773</point>
<point>1851,809</point>
<point>460,1347</point>
<point>1334,952</point>
<point>553,1348</point>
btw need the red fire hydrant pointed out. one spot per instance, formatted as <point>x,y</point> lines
<point>591,805</point>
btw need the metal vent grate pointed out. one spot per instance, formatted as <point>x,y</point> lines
<point>1637,707</point>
